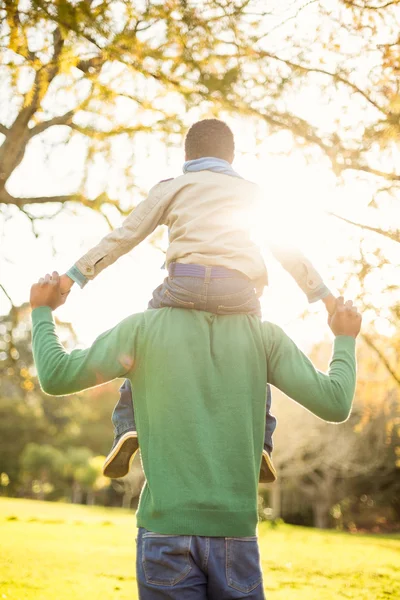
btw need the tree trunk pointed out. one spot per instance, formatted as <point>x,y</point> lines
<point>276,500</point>
<point>127,499</point>
<point>76,493</point>
<point>321,508</point>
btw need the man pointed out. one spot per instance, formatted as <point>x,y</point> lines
<point>199,381</point>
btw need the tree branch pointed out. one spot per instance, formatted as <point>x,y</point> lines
<point>91,65</point>
<point>65,119</point>
<point>382,357</point>
<point>371,171</point>
<point>391,235</point>
<point>94,204</point>
<point>4,130</point>
<point>31,219</point>
<point>6,294</point>
<point>335,76</point>
<point>100,135</point>
<point>367,7</point>
<point>301,128</point>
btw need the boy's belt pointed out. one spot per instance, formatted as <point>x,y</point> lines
<point>183,270</point>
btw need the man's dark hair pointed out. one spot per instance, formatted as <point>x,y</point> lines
<point>210,137</point>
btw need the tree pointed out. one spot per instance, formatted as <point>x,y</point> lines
<point>83,471</point>
<point>93,75</point>
<point>41,465</point>
<point>101,71</point>
<point>29,416</point>
<point>91,59</point>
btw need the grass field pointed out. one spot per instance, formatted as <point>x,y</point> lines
<point>61,552</point>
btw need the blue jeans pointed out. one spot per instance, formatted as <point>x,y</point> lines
<point>223,296</point>
<point>191,567</point>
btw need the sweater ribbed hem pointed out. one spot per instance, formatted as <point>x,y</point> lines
<point>208,523</point>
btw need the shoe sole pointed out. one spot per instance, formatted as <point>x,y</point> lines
<point>267,470</point>
<point>118,462</point>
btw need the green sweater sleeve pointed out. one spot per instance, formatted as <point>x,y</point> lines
<point>327,395</point>
<point>111,355</point>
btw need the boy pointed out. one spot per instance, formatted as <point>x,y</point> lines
<point>213,265</point>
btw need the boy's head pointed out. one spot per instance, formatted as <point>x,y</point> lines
<point>210,137</point>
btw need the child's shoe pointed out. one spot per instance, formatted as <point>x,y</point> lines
<point>267,470</point>
<point>118,461</point>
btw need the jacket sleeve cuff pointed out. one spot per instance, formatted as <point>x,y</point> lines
<point>319,293</point>
<point>75,274</point>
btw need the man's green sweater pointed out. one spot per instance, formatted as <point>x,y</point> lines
<point>199,384</point>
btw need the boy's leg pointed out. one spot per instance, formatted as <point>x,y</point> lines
<point>267,471</point>
<point>125,442</point>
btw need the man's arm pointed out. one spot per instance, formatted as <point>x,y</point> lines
<point>327,395</point>
<point>111,355</point>
<point>137,226</point>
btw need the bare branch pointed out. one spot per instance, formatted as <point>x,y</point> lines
<point>285,20</point>
<point>4,130</point>
<point>31,219</point>
<point>369,341</point>
<point>391,235</point>
<point>335,76</point>
<point>107,220</point>
<point>6,294</point>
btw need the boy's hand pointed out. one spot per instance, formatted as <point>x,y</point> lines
<point>330,303</point>
<point>346,320</point>
<point>66,284</point>
<point>47,292</point>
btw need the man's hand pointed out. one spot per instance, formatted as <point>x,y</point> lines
<point>330,303</point>
<point>66,284</point>
<point>47,292</point>
<point>346,320</point>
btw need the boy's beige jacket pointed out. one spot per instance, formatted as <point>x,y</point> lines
<point>208,216</point>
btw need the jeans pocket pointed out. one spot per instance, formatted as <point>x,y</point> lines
<point>172,300</point>
<point>165,558</point>
<point>243,570</point>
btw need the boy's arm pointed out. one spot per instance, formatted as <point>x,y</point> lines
<point>111,355</point>
<point>302,271</point>
<point>327,395</point>
<point>137,226</point>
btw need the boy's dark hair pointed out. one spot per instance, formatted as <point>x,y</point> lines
<point>210,137</point>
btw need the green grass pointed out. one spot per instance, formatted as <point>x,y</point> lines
<point>64,552</point>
